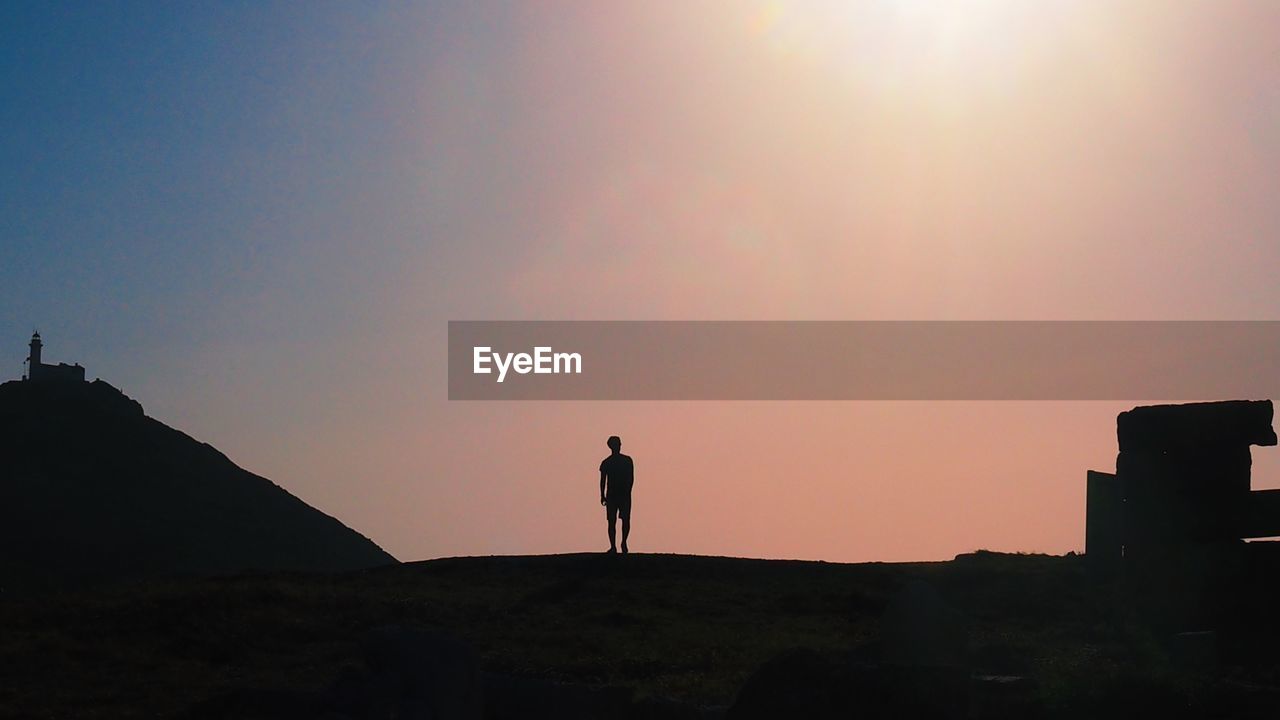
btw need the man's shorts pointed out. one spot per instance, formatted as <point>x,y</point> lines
<point>616,506</point>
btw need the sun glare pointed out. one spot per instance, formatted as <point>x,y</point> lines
<point>974,44</point>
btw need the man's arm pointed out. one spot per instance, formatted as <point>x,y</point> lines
<point>602,486</point>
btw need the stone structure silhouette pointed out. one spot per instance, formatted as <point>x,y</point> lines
<point>1181,491</point>
<point>39,371</point>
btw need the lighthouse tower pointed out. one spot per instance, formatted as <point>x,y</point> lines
<point>33,360</point>
<point>38,370</point>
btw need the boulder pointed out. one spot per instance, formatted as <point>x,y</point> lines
<point>1194,426</point>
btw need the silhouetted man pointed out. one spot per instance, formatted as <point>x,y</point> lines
<point>616,476</point>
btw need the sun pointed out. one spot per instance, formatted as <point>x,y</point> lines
<point>962,43</point>
<point>963,29</point>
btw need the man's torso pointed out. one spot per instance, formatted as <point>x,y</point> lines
<point>620,472</point>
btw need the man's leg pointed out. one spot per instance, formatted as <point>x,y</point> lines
<point>611,514</point>
<point>626,525</point>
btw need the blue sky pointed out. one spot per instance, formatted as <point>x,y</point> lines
<point>192,171</point>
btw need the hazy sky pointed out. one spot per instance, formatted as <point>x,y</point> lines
<point>256,219</point>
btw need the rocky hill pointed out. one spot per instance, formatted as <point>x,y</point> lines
<point>91,489</point>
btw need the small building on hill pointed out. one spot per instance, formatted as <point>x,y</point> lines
<point>40,372</point>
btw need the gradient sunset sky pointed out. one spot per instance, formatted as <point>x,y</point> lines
<point>257,219</point>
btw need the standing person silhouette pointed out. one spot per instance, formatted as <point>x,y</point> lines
<point>617,473</point>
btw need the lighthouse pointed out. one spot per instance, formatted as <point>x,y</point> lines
<point>33,360</point>
<point>37,370</point>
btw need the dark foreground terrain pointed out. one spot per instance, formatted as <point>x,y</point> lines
<point>656,635</point>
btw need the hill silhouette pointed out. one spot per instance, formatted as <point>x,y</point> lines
<point>91,489</point>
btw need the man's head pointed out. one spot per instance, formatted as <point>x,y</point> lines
<point>614,443</point>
